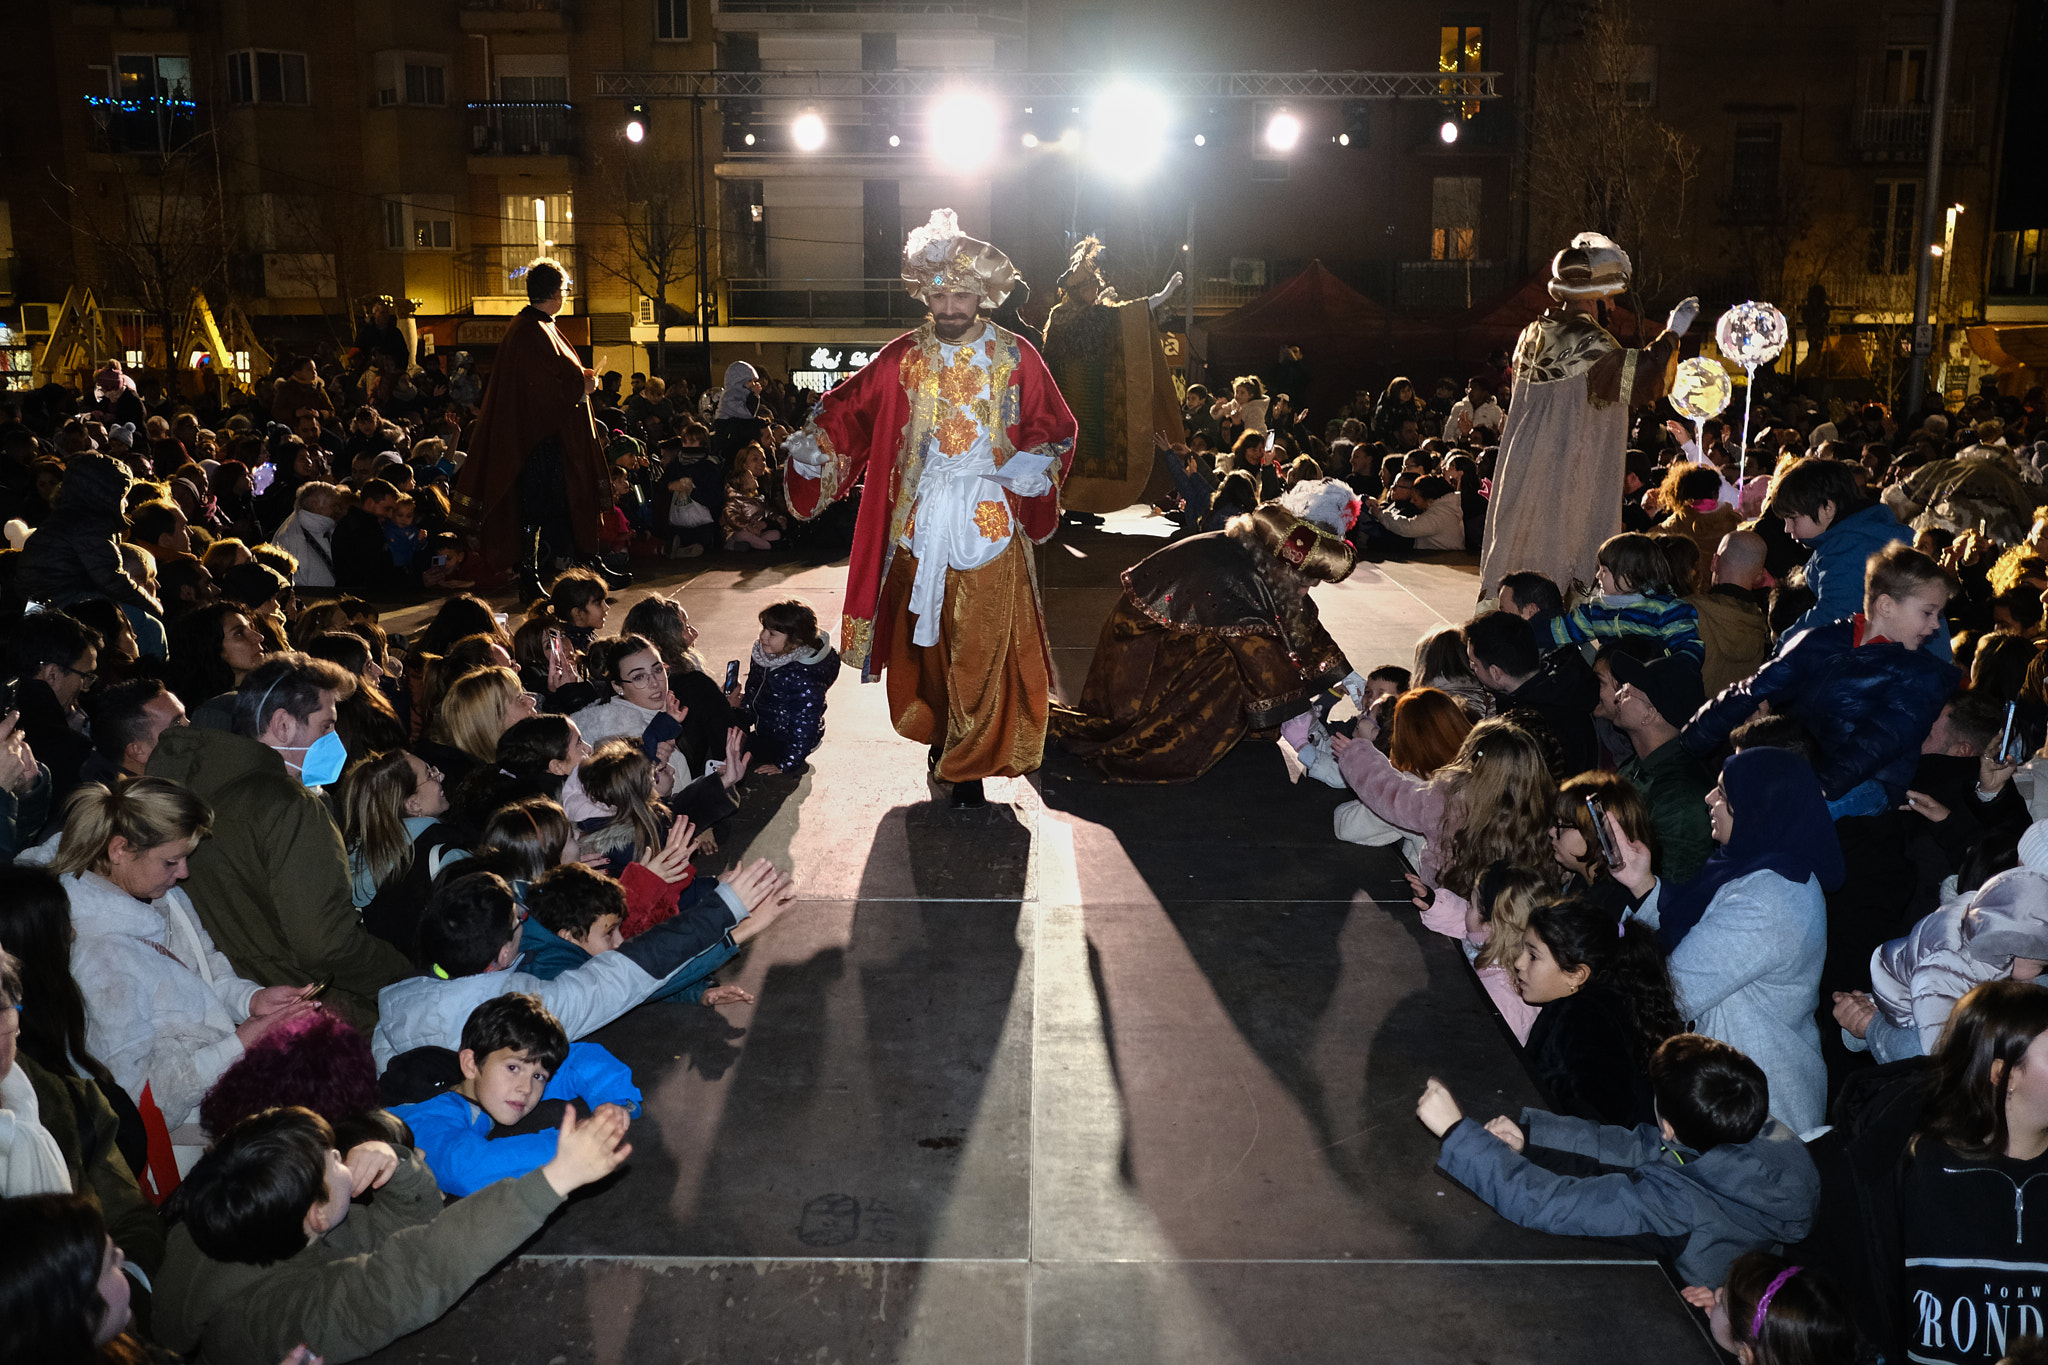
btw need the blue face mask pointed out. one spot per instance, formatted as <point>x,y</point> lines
<point>324,760</point>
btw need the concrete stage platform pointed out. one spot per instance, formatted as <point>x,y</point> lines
<point>1100,1074</point>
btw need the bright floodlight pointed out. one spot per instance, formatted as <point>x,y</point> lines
<point>1283,130</point>
<point>1449,132</point>
<point>1201,141</point>
<point>808,132</point>
<point>962,131</point>
<point>895,140</point>
<point>635,130</point>
<point>1030,139</point>
<point>1128,129</point>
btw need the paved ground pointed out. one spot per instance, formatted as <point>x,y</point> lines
<point>1097,1075</point>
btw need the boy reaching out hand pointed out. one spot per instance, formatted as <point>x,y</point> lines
<point>270,1250</point>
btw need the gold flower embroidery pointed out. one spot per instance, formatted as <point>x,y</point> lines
<point>992,519</point>
<point>961,383</point>
<point>956,432</point>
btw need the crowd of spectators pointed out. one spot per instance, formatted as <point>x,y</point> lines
<point>306,923</point>
<point>299,915</point>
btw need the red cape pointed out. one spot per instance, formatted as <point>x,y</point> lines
<point>536,391</point>
<point>860,427</point>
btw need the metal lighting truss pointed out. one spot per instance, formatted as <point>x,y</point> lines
<point>1048,85</point>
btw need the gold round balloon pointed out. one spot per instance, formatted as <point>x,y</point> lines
<point>1701,389</point>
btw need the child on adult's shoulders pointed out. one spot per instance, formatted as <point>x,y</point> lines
<point>515,1058</point>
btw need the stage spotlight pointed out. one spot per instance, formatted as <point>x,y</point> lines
<point>1343,139</point>
<point>1201,141</point>
<point>636,122</point>
<point>1128,129</point>
<point>808,132</point>
<point>749,139</point>
<point>1449,132</point>
<point>1030,139</point>
<point>961,131</point>
<point>895,140</point>
<point>1283,131</point>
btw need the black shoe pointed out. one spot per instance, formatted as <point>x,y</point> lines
<point>968,795</point>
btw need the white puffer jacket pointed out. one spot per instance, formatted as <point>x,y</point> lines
<point>1917,979</point>
<point>617,718</point>
<point>161,1002</point>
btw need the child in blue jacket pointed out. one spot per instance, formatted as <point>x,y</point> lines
<point>792,667</point>
<point>514,1057</point>
<point>575,912</point>
<point>1869,687</point>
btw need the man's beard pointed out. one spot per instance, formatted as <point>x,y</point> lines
<point>953,328</point>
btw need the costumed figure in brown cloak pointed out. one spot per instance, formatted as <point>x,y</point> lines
<point>1564,448</point>
<point>534,489</point>
<point>1216,638</point>
<point>962,439</point>
<point>1106,357</point>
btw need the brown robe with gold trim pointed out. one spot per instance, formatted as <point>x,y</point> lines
<point>1193,659</point>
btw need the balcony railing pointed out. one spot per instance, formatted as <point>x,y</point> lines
<point>751,302</point>
<point>499,272</point>
<point>517,129</point>
<point>152,126</point>
<point>1899,132</point>
<point>1447,284</point>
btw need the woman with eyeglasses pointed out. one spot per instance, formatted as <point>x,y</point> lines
<point>640,702</point>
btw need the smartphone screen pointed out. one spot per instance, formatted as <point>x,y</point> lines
<point>2005,740</point>
<point>732,674</point>
<point>1606,837</point>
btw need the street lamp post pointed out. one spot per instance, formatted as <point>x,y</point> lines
<point>1923,282</point>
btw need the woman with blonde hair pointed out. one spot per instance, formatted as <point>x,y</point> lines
<point>1492,803</point>
<point>164,1008</point>
<point>391,807</point>
<point>479,706</point>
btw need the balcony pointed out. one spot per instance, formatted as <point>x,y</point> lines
<point>508,138</point>
<point>1897,133</point>
<point>1446,285</point>
<point>141,127</point>
<point>518,16</point>
<point>754,302</point>
<point>490,281</point>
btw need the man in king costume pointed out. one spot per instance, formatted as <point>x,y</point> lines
<point>963,441</point>
<point>1564,450</point>
<point>1105,355</point>
<point>535,488</point>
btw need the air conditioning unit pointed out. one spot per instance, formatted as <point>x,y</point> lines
<point>1247,272</point>
<point>646,311</point>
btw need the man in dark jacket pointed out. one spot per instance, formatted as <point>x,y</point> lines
<point>1558,686</point>
<point>1653,701</point>
<point>272,883</point>
<point>54,658</point>
<point>362,556</point>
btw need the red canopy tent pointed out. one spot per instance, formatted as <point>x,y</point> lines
<point>1337,328</point>
<point>1495,324</point>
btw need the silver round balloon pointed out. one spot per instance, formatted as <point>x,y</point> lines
<point>1752,334</point>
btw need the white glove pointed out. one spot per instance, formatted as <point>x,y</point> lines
<point>804,455</point>
<point>1025,474</point>
<point>1681,319</point>
<point>1161,297</point>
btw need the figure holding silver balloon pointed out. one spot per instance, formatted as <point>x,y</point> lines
<point>1564,449</point>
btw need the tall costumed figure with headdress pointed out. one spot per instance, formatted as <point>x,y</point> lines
<point>1564,449</point>
<point>960,441</point>
<point>1105,354</point>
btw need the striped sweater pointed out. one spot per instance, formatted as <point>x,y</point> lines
<point>1672,621</point>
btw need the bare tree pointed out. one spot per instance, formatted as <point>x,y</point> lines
<point>159,236</point>
<point>652,249</point>
<point>1601,161</point>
